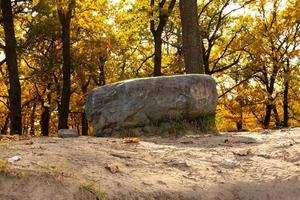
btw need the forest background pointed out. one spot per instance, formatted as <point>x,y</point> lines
<point>250,47</point>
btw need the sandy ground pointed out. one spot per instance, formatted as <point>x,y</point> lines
<point>229,166</point>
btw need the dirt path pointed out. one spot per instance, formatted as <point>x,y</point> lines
<point>230,166</point>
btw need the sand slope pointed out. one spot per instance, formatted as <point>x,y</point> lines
<point>230,166</point>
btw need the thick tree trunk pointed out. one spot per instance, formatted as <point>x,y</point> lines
<point>191,37</point>
<point>276,115</point>
<point>270,101</point>
<point>285,122</point>
<point>64,110</point>
<point>239,125</point>
<point>157,54</point>
<point>13,73</point>
<point>267,118</point>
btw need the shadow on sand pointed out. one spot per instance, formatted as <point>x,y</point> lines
<point>205,141</point>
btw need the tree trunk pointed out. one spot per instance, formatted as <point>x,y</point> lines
<point>286,105</point>
<point>45,118</point>
<point>191,37</point>
<point>285,122</point>
<point>84,124</point>
<point>239,124</point>
<point>100,82</point>
<point>65,19</point>
<point>270,101</point>
<point>205,60</point>
<point>102,61</point>
<point>84,121</point>
<point>157,32</point>
<point>13,73</point>
<point>276,115</point>
<point>32,119</point>
<point>267,118</point>
<point>157,54</point>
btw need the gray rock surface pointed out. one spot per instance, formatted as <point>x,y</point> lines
<point>67,133</point>
<point>140,102</point>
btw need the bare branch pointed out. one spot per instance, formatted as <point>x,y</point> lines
<point>238,84</point>
<point>144,61</point>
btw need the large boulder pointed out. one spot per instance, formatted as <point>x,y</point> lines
<point>140,103</point>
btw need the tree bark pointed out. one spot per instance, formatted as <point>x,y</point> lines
<point>267,118</point>
<point>276,115</point>
<point>102,61</point>
<point>157,54</point>
<point>65,20</point>
<point>13,73</point>
<point>45,117</point>
<point>84,121</point>
<point>157,32</point>
<point>100,82</point>
<point>84,124</point>
<point>271,100</point>
<point>191,37</point>
<point>285,122</point>
<point>239,124</point>
<point>32,119</point>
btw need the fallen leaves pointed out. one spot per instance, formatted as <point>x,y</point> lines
<point>7,139</point>
<point>131,140</point>
<point>29,143</point>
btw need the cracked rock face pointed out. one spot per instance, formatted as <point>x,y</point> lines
<point>139,102</point>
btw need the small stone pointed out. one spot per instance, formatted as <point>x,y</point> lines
<point>244,152</point>
<point>230,163</point>
<point>67,133</point>
<point>14,159</point>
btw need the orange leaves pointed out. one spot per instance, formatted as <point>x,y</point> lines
<point>7,139</point>
<point>131,140</point>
